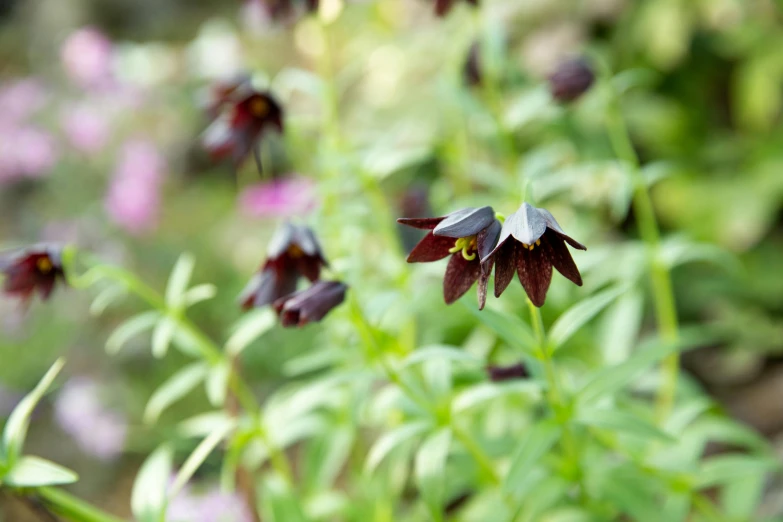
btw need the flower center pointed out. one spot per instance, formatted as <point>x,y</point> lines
<point>44,265</point>
<point>532,246</point>
<point>468,247</point>
<point>259,107</point>
<point>295,252</point>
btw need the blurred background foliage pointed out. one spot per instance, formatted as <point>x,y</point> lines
<point>379,119</point>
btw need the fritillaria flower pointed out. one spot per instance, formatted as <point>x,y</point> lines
<point>507,373</point>
<point>571,80</point>
<point>468,235</point>
<point>37,268</point>
<point>442,7</point>
<point>293,252</point>
<point>310,305</point>
<point>531,243</point>
<point>245,116</point>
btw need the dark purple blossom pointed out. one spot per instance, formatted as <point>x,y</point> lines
<point>293,252</point>
<point>507,373</point>
<point>531,243</point>
<point>468,235</point>
<point>36,268</point>
<point>310,305</point>
<point>571,80</point>
<point>442,7</point>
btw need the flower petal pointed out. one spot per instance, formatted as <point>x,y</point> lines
<point>535,273</point>
<point>460,276</point>
<point>422,223</point>
<point>505,266</point>
<point>526,225</point>
<point>487,239</point>
<point>555,226</point>
<point>283,237</point>
<point>465,222</point>
<point>431,248</point>
<point>560,257</point>
<point>486,270</point>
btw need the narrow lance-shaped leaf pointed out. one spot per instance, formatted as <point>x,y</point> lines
<point>197,458</point>
<point>175,388</point>
<point>532,446</point>
<point>148,498</point>
<point>33,472</point>
<point>393,439</point>
<point>19,420</point>
<point>178,280</point>
<point>162,336</point>
<point>511,329</point>
<point>129,329</point>
<point>430,468</point>
<point>579,314</point>
<point>251,327</point>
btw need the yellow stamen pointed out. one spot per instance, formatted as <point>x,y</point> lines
<point>525,245</point>
<point>468,257</point>
<point>44,265</point>
<point>468,247</point>
<point>295,252</point>
<point>538,242</point>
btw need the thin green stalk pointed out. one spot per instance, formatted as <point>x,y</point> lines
<point>72,508</point>
<point>663,294</point>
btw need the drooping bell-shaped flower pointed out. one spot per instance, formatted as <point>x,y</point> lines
<point>37,268</point>
<point>571,79</point>
<point>531,242</point>
<point>310,305</point>
<point>293,252</point>
<point>468,235</point>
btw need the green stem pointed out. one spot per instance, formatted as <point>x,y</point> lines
<point>556,397</point>
<point>71,507</point>
<point>663,294</point>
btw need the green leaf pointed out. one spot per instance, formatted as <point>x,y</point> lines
<point>430,468</point>
<point>741,498</point>
<point>175,388</point>
<point>130,328</point>
<point>203,424</point>
<point>621,422</point>
<point>608,381</point>
<point>33,472</point>
<point>579,314</point>
<point>626,493</point>
<point>391,440</point>
<point>16,428</point>
<point>620,326</point>
<point>511,329</point>
<point>162,336</point>
<point>197,458</point>
<point>252,326</point>
<point>148,498</point>
<point>178,281</point>
<point>480,393</point>
<point>106,297</point>
<point>538,439</point>
<point>217,384</point>
<point>679,251</point>
<point>198,294</point>
<point>677,507</point>
<point>439,352</point>
<point>729,468</point>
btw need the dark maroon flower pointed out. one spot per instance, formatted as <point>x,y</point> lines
<point>469,235</point>
<point>36,268</point>
<point>310,305</point>
<point>293,252</point>
<point>245,116</point>
<point>471,71</point>
<point>442,7</point>
<point>285,10</point>
<point>222,92</point>
<point>507,373</point>
<point>531,243</point>
<point>571,79</point>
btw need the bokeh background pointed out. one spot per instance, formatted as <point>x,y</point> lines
<point>102,107</point>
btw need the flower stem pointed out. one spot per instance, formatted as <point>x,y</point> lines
<point>71,507</point>
<point>660,277</point>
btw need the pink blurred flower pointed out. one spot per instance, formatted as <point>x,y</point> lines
<point>134,193</point>
<point>213,506</point>
<point>25,152</point>
<point>21,98</point>
<point>98,431</point>
<point>86,128</point>
<point>281,197</point>
<point>87,57</point>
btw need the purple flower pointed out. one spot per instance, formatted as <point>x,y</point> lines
<point>213,506</point>
<point>133,197</point>
<point>26,152</point>
<point>98,431</point>
<point>25,271</point>
<point>87,129</point>
<point>310,305</point>
<point>87,57</point>
<point>278,198</point>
